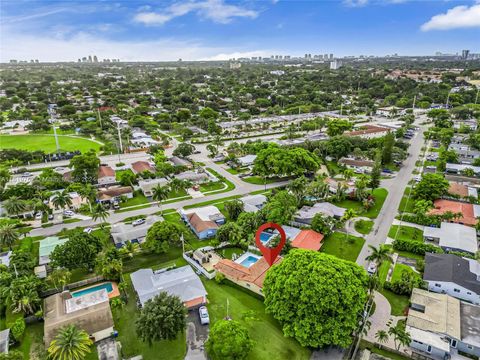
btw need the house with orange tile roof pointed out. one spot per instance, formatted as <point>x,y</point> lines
<point>245,274</point>
<point>369,132</point>
<point>462,190</point>
<point>469,212</point>
<point>308,239</point>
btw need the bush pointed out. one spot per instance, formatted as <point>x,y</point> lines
<point>18,328</point>
<point>219,277</point>
<point>433,220</point>
<point>415,247</point>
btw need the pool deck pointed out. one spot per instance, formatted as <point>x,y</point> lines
<point>114,293</point>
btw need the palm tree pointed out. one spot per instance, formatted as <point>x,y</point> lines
<point>8,235</point>
<point>217,141</point>
<point>380,254</point>
<point>59,278</point>
<point>61,200</point>
<point>99,212</point>
<point>129,249</point>
<point>297,187</point>
<point>24,298</point>
<point>348,174</point>
<point>381,336</point>
<point>70,343</point>
<point>400,336</point>
<point>160,193</point>
<point>15,206</point>
<point>176,185</point>
<point>349,213</point>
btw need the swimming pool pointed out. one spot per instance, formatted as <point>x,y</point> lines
<point>265,237</point>
<point>107,286</point>
<point>249,261</point>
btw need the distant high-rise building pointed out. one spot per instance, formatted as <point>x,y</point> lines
<point>79,60</point>
<point>325,56</point>
<point>84,59</point>
<point>287,57</point>
<point>465,54</point>
<point>331,56</point>
<point>89,58</point>
<point>335,65</point>
<point>36,61</point>
<point>13,61</point>
<point>95,59</point>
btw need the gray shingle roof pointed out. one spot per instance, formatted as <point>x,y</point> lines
<point>450,268</point>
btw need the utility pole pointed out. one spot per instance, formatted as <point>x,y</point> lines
<point>99,118</point>
<point>119,140</point>
<point>448,98</point>
<point>476,98</point>
<point>414,100</point>
<point>51,112</point>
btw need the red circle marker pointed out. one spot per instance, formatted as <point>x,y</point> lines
<point>270,254</point>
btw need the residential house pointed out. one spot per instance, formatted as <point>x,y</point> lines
<point>369,132</point>
<point>139,167</point>
<point>181,282</point>
<point>247,271</point>
<point>178,161</point>
<point>193,176</point>
<point>204,221</point>
<point>360,166</point>
<point>462,190</point>
<point>121,232</point>
<point>112,194</point>
<point>77,201</point>
<point>441,326</point>
<point>453,275</point>
<point>147,185</point>
<point>90,312</point>
<point>334,185</point>
<point>305,215</point>
<point>468,123</point>
<point>253,203</point>
<point>106,175</point>
<point>469,211</point>
<point>453,237</point>
<point>391,111</point>
<point>458,169</point>
<point>308,239</point>
<point>247,160</point>
<point>46,246</point>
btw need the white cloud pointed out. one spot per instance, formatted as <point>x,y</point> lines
<point>57,48</point>
<point>215,10</point>
<point>355,3</point>
<point>238,54</point>
<point>455,18</point>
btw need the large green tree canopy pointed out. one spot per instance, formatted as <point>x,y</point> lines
<point>317,298</point>
<point>431,187</point>
<point>228,340</point>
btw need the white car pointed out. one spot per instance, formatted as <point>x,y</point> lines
<point>26,174</point>
<point>38,216</point>
<point>68,213</point>
<point>372,268</point>
<point>138,222</point>
<point>87,230</point>
<point>204,318</point>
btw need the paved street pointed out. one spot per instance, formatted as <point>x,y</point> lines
<point>395,189</point>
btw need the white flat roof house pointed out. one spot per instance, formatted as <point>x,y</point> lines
<point>147,185</point>
<point>247,160</point>
<point>181,282</point>
<point>121,232</point>
<point>306,213</point>
<point>253,203</point>
<point>453,237</point>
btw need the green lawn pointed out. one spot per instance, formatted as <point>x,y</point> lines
<point>405,233</point>
<point>337,244</point>
<point>398,303</point>
<point>137,199</point>
<point>399,269</point>
<point>227,253</point>
<point>383,271</point>
<point>249,310</point>
<point>230,185</point>
<point>124,319</point>
<point>119,173</point>
<point>211,186</point>
<point>258,180</point>
<point>404,205</point>
<point>236,171</point>
<point>47,143</point>
<point>364,226</point>
<point>32,342</point>
<point>379,194</point>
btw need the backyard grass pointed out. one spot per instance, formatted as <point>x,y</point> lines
<point>227,253</point>
<point>249,310</point>
<point>230,185</point>
<point>137,199</point>
<point>364,226</point>
<point>46,143</point>
<point>338,245</point>
<point>383,271</point>
<point>32,341</point>
<point>404,205</point>
<point>379,194</point>
<point>258,180</point>
<point>124,319</point>
<point>405,233</point>
<point>118,173</point>
<point>236,171</point>
<point>399,269</point>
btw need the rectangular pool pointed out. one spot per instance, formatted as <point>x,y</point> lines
<point>249,261</point>
<point>107,286</point>
<point>265,236</point>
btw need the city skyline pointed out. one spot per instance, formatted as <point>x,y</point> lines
<point>220,30</point>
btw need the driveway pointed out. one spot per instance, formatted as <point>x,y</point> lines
<point>107,350</point>
<point>197,334</point>
<point>395,189</point>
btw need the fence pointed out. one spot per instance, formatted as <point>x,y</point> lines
<point>74,285</point>
<point>199,267</point>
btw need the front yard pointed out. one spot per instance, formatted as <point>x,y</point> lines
<point>379,194</point>
<point>249,310</point>
<point>405,233</point>
<point>342,247</point>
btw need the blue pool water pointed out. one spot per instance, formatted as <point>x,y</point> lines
<point>106,286</point>
<point>249,261</point>
<point>265,236</point>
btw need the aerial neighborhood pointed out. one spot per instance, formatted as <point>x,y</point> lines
<point>141,203</point>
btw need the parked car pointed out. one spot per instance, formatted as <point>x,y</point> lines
<point>387,171</point>
<point>138,222</point>
<point>204,318</point>
<point>197,152</point>
<point>68,213</point>
<point>116,205</point>
<point>372,268</point>
<point>87,230</point>
<point>26,174</point>
<point>50,217</point>
<point>38,216</point>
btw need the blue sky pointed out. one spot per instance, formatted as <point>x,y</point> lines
<point>222,29</point>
